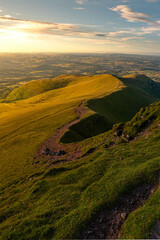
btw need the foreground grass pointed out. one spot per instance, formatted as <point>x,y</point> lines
<point>58,202</point>
<point>140,223</point>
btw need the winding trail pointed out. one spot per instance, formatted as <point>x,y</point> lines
<point>73,151</point>
<point>108,223</point>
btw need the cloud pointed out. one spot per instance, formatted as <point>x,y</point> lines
<point>152,1</point>
<point>135,31</point>
<point>100,35</point>
<point>8,16</point>
<point>130,38</point>
<point>78,8</point>
<point>150,29</point>
<point>81,2</point>
<point>33,29</point>
<point>131,15</point>
<point>125,1</point>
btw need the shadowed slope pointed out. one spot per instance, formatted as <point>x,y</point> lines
<point>119,106</point>
<point>143,84</point>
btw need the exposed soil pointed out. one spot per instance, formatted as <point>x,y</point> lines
<point>50,151</point>
<point>146,131</point>
<point>107,224</point>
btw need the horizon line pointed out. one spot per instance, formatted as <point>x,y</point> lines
<point>81,53</point>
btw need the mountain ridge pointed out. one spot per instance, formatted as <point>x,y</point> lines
<point>55,196</point>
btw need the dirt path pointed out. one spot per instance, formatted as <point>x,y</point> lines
<point>107,224</point>
<point>57,151</point>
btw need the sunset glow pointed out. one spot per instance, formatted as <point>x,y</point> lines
<point>80,26</point>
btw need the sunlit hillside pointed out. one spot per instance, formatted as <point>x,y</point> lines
<point>25,124</point>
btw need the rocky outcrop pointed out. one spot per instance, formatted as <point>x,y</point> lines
<point>47,152</point>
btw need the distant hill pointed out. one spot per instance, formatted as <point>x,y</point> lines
<point>143,84</point>
<point>34,88</point>
<point>37,87</point>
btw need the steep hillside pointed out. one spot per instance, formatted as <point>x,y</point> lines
<point>143,84</point>
<point>51,190</point>
<point>73,200</point>
<point>119,106</point>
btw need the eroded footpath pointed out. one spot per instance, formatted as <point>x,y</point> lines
<point>107,224</point>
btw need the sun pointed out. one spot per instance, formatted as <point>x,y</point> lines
<point>12,34</point>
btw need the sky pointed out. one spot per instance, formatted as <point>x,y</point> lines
<point>80,26</point>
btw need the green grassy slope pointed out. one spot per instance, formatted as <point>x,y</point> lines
<point>117,107</point>
<point>86,128</point>
<point>121,105</point>
<point>34,88</point>
<point>38,202</point>
<point>57,203</point>
<point>143,84</point>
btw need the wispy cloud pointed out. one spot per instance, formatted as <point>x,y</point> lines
<point>8,16</point>
<point>150,29</point>
<point>130,38</point>
<point>9,23</point>
<point>125,1</point>
<point>131,15</point>
<point>78,8</point>
<point>121,33</point>
<point>152,1</point>
<point>135,31</point>
<point>81,2</point>
<point>31,28</point>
